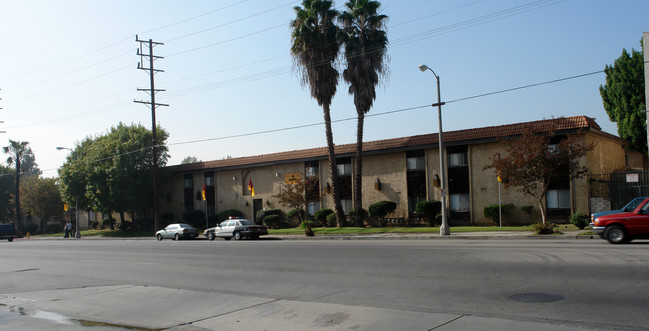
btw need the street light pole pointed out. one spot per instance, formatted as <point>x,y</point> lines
<point>444,229</point>
<point>76,197</point>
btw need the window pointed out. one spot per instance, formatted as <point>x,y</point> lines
<point>189,192</point>
<point>457,156</point>
<point>416,177</point>
<point>459,202</point>
<point>347,205</point>
<point>209,178</point>
<point>345,169</point>
<point>457,160</point>
<point>415,160</point>
<point>312,207</point>
<point>559,198</point>
<point>311,168</point>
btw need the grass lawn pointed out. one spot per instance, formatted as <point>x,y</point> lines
<point>353,230</point>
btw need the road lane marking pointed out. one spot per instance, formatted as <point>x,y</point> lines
<point>122,262</point>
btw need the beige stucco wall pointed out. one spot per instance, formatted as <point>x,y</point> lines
<point>606,156</point>
<point>484,189</point>
<point>390,169</point>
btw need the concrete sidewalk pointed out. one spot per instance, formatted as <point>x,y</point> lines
<point>113,308</point>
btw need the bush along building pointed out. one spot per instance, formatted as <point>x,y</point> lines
<point>405,171</point>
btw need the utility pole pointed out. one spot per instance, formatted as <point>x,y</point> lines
<point>645,49</point>
<point>2,122</point>
<point>152,104</point>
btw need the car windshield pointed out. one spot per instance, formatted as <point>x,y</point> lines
<point>245,222</point>
<point>631,206</point>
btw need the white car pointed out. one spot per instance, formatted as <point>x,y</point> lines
<point>237,228</point>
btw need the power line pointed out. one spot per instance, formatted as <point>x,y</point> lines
<point>49,67</point>
<point>231,22</point>
<point>280,71</point>
<point>527,86</point>
<point>375,114</point>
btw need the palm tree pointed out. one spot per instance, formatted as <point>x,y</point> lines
<point>366,47</point>
<point>17,151</point>
<point>315,47</point>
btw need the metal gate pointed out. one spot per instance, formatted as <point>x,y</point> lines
<point>619,187</point>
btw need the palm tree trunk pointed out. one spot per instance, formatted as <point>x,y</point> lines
<point>333,168</point>
<point>17,190</point>
<point>358,177</point>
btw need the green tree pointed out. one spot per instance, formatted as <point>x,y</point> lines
<point>41,197</point>
<point>19,154</point>
<point>366,54</point>
<point>190,159</point>
<point>623,97</point>
<point>294,196</point>
<point>314,48</point>
<point>112,173</point>
<point>532,162</point>
<point>6,193</point>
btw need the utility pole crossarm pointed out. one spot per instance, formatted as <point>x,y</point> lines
<point>148,103</point>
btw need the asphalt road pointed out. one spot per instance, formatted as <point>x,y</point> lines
<point>566,284</point>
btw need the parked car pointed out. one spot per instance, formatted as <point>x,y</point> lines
<point>624,226</point>
<point>237,228</point>
<point>631,206</point>
<point>8,231</point>
<point>177,231</point>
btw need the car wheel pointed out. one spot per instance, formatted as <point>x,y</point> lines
<point>237,235</point>
<point>10,239</point>
<point>616,235</point>
<point>211,236</point>
<point>176,237</point>
<point>159,236</point>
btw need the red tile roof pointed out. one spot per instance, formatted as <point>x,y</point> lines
<point>450,137</point>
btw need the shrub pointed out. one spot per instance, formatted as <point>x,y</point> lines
<point>143,224</point>
<point>381,209</point>
<point>358,217</point>
<point>548,228</point>
<point>212,220</point>
<point>261,214</point>
<point>493,212</point>
<point>108,223</point>
<point>579,220</point>
<point>272,220</point>
<point>226,214</point>
<point>31,228</point>
<point>527,210</point>
<point>195,218</point>
<point>321,216</point>
<point>430,209</point>
<point>94,225</point>
<point>293,214</point>
<point>54,228</point>
<point>125,226</point>
<point>166,219</point>
<point>331,219</point>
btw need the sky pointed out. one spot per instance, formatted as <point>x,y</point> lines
<point>68,70</point>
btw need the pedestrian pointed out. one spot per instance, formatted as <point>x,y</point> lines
<point>68,230</point>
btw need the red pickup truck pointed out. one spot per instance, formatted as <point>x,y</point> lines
<point>624,226</point>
